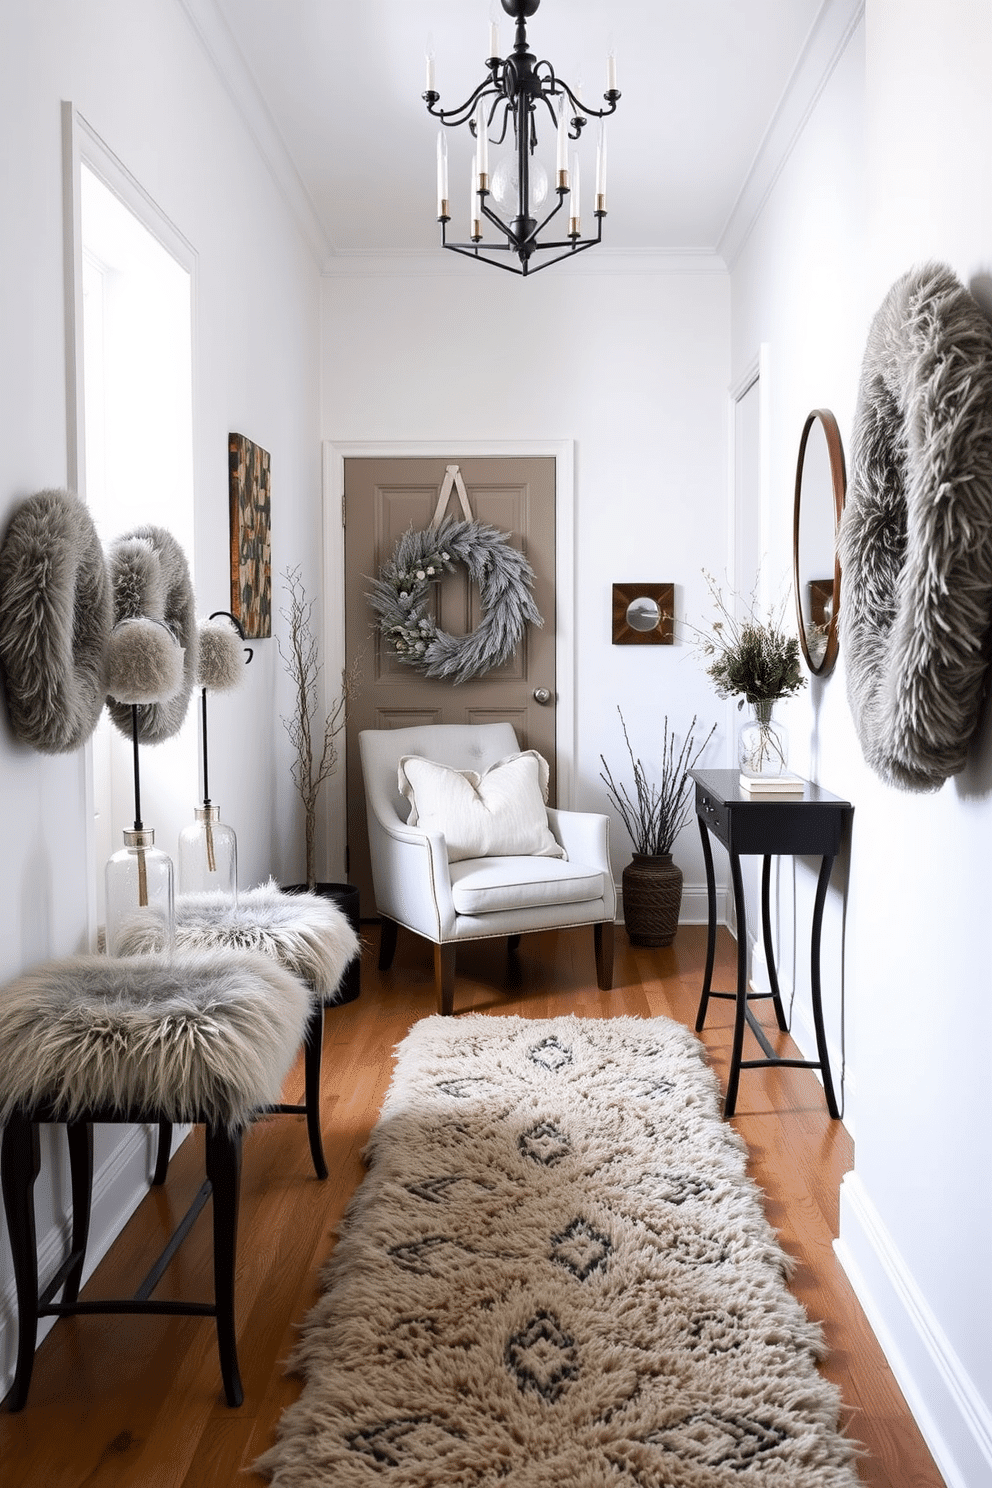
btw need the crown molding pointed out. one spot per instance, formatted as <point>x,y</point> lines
<point>828,39</point>
<point>222,51</point>
<point>605,262</point>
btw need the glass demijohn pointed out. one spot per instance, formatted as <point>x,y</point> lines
<point>140,904</point>
<point>208,857</point>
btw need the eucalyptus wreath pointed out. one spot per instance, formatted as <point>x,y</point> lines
<point>401,595</point>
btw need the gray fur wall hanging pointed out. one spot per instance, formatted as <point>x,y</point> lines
<point>150,579</point>
<point>916,535</point>
<point>55,619</point>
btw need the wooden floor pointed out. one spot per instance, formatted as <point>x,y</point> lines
<point>129,1401</point>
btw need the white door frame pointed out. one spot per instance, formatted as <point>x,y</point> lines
<point>562,451</point>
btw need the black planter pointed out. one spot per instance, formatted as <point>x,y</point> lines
<point>345,896</point>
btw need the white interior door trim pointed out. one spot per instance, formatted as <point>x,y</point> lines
<point>562,451</point>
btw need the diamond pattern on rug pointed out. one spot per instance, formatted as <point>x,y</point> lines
<point>551,1054</point>
<point>542,1357</point>
<point>676,1188</point>
<point>545,1143</point>
<point>719,1441</point>
<point>581,1249</point>
<point>466,1086</point>
<point>435,1190</point>
<point>408,1439</point>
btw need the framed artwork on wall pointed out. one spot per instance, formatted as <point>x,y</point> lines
<point>643,614</point>
<point>251,570</point>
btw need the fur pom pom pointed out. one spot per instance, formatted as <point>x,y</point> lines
<point>151,580</point>
<point>55,618</point>
<point>144,663</point>
<point>222,657</point>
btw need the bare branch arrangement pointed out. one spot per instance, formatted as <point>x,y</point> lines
<point>656,813</point>
<point>300,658</point>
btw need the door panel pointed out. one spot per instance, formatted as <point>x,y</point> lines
<point>385,497</point>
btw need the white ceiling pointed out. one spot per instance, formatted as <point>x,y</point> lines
<point>713,91</point>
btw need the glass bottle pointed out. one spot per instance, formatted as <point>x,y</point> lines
<point>762,744</point>
<point>140,900</point>
<point>208,856</point>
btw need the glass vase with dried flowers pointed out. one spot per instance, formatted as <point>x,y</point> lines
<point>754,659</point>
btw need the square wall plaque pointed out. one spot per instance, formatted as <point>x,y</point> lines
<point>643,614</point>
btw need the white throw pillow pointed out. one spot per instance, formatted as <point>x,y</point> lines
<point>501,813</point>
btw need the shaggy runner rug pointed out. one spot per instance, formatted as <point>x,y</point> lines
<point>557,1274</point>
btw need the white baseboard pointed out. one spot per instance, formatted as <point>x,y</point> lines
<point>946,1405</point>
<point>695,906</point>
<point>119,1185</point>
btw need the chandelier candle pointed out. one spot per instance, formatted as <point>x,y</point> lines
<point>442,177</point>
<point>601,169</point>
<point>562,161</point>
<point>518,95</point>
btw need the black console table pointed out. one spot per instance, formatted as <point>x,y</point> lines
<point>808,824</point>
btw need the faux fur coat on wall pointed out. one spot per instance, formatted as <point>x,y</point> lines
<point>916,535</point>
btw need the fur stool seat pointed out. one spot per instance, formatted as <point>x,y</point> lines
<point>204,1037</point>
<point>305,933</point>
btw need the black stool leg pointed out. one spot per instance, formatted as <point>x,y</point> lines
<point>20,1163</point>
<point>163,1154</point>
<point>223,1160</point>
<point>313,1048</point>
<point>80,1137</point>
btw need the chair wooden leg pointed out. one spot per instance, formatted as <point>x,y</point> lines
<point>80,1138</point>
<point>603,942</point>
<point>387,942</point>
<point>20,1163</point>
<point>444,978</point>
<point>512,942</point>
<point>312,1050</point>
<point>223,1160</point>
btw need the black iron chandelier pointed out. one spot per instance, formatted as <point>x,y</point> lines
<point>515,91</point>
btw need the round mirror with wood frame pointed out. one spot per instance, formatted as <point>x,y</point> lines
<point>821,485</point>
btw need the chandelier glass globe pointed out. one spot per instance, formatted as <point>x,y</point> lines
<point>505,184</point>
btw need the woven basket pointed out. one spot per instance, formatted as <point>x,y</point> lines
<point>652,897</point>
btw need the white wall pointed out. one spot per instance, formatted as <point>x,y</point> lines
<point>892,169</point>
<point>630,365</point>
<point>136,73</point>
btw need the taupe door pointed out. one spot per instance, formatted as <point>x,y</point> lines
<point>383,498</point>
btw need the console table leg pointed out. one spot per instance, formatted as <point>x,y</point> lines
<point>740,1015</point>
<point>710,924</point>
<point>20,1164</point>
<point>766,931</point>
<point>822,883</point>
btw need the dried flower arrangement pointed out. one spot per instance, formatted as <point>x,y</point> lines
<point>751,658</point>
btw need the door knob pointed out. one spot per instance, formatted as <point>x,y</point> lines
<point>542,695</point>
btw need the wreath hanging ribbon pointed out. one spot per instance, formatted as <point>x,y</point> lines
<point>401,594</point>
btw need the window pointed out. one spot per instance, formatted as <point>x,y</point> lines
<point>135,463</point>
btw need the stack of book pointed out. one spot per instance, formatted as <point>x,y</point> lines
<point>773,785</point>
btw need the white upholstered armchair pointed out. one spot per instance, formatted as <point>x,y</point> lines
<point>560,874</point>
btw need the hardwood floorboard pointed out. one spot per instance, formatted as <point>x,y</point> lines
<point>138,1401</point>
